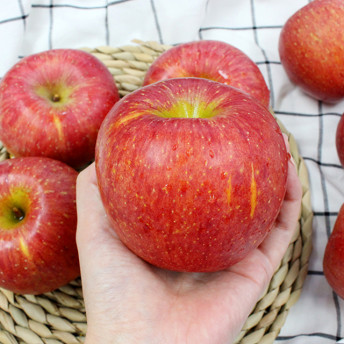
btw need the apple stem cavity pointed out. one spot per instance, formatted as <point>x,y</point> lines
<point>18,213</point>
<point>54,94</point>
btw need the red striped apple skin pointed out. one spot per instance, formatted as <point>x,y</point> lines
<point>52,104</point>
<point>333,261</point>
<point>213,60</point>
<point>37,248</point>
<point>340,139</point>
<point>192,173</point>
<point>311,49</point>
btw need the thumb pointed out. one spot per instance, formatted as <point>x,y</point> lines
<point>93,224</point>
<point>97,242</point>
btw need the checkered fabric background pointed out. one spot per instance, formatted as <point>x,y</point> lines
<point>253,26</point>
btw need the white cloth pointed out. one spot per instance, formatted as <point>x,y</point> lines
<point>253,26</point>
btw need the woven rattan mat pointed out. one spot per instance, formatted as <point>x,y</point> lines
<point>59,316</point>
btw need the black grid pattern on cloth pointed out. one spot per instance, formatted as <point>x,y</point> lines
<point>254,27</point>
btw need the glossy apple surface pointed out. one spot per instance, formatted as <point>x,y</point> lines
<point>214,60</point>
<point>37,225</point>
<point>311,48</point>
<point>192,173</point>
<point>334,256</point>
<point>340,140</point>
<point>52,104</point>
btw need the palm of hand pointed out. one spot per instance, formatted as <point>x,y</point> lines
<point>129,301</point>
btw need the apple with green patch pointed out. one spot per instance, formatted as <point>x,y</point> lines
<point>37,225</point>
<point>52,104</point>
<point>311,48</point>
<point>213,60</point>
<point>192,173</point>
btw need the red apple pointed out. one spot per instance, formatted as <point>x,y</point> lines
<point>192,173</point>
<point>52,104</point>
<point>340,140</point>
<point>214,60</point>
<point>334,256</point>
<point>311,49</point>
<point>37,225</point>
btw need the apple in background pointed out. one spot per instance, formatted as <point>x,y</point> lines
<point>334,256</point>
<point>37,225</point>
<point>192,173</point>
<point>340,140</point>
<point>52,104</point>
<point>214,60</point>
<point>311,48</point>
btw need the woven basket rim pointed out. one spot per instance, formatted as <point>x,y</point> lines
<point>59,316</point>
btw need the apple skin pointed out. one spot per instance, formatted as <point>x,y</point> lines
<point>187,193</point>
<point>65,127</point>
<point>311,48</point>
<point>213,60</point>
<point>340,140</point>
<point>333,262</point>
<point>37,250</point>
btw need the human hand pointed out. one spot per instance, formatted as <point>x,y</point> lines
<point>129,301</point>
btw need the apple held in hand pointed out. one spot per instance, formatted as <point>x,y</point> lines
<point>52,104</point>
<point>311,48</point>
<point>192,173</point>
<point>334,256</point>
<point>214,60</point>
<point>37,225</point>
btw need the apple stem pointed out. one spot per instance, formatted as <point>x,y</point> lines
<point>55,98</point>
<point>18,213</point>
